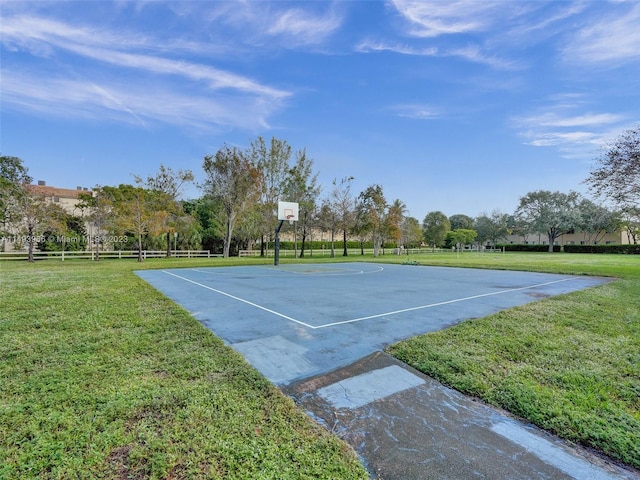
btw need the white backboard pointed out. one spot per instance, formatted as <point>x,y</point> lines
<point>288,211</point>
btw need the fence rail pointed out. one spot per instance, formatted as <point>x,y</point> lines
<point>326,252</point>
<point>21,255</point>
<point>319,252</point>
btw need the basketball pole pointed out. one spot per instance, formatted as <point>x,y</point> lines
<point>276,247</point>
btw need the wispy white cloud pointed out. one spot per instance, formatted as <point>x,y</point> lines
<point>435,18</point>
<point>106,47</point>
<point>166,89</point>
<point>585,120</point>
<point>301,27</point>
<point>574,135</point>
<point>416,111</point>
<point>133,103</point>
<point>612,38</point>
<point>471,53</point>
<point>366,46</point>
<point>274,23</point>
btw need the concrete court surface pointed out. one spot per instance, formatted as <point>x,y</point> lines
<point>317,331</point>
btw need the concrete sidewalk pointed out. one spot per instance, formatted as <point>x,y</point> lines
<point>405,425</point>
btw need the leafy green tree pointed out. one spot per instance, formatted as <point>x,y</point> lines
<point>553,213</point>
<point>14,179</point>
<point>372,211</point>
<point>209,221</point>
<point>134,211</point>
<point>396,212</point>
<point>461,221</point>
<point>66,232</point>
<point>234,181</point>
<point>167,185</point>
<point>434,228</point>
<point>460,237</point>
<point>491,228</point>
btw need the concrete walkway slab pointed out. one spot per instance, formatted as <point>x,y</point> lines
<point>429,431</point>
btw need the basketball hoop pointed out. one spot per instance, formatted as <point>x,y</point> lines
<point>287,211</point>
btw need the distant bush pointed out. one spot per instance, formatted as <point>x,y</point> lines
<point>527,248</point>
<point>623,249</point>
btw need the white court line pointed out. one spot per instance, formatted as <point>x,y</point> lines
<point>360,319</point>
<point>285,272</point>
<point>335,272</point>
<point>240,300</point>
<point>421,307</point>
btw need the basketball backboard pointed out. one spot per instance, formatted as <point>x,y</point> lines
<point>288,211</point>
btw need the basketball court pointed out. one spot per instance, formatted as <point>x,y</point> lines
<point>318,331</point>
<point>297,320</point>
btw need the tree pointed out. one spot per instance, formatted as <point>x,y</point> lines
<point>491,228</point>
<point>65,232</point>
<point>328,220</point>
<point>553,213</point>
<point>461,221</point>
<point>134,211</point>
<point>167,185</point>
<point>14,180</point>
<point>209,220</point>
<point>233,180</point>
<point>302,187</point>
<point>434,228</point>
<point>343,204</point>
<point>517,226</point>
<point>596,221</point>
<point>97,208</point>
<point>36,215</point>
<point>411,232</point>
<point>372,211</point>
<point>461,237</point>
<point>617,174</point>
<point>394,219</point>
<point>273,165</point>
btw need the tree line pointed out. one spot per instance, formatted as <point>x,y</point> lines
<point>240,194</point>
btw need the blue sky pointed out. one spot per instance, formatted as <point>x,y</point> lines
<point>459,106</point>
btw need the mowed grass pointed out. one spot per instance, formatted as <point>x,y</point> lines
<point>103,377</point>
<point>569,364</point>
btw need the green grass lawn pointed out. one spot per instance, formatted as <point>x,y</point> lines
<point>103,377</point>
<point>569,364</point>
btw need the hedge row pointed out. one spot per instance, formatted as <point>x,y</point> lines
<point>622,249</point>
<point>527,248</point>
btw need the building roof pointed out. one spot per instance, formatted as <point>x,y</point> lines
<point>56,192</point>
